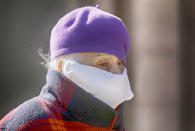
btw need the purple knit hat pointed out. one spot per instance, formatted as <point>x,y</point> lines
<point>89,29</point>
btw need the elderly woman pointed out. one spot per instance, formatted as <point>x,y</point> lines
<point>87,81</point>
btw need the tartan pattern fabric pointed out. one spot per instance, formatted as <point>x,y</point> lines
<point>63,106</point>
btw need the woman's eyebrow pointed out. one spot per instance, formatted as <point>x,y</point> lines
<point>98,54</point>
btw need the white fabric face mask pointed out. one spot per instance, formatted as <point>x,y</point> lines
<point>112,89</point>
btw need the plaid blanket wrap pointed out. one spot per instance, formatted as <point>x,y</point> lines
<point>63,106</point>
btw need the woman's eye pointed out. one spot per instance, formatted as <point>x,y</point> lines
<point>120,63</point>
<point>104,64</point>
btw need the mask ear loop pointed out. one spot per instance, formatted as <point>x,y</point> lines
<point>60,66</point>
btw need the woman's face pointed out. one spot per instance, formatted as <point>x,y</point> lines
<point>103,61</point>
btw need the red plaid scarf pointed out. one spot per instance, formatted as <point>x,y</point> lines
<point>63,106</point>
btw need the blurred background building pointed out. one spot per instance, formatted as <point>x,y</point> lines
<point>161,60</point>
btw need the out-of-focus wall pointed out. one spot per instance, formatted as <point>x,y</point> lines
<point>25,26</point>
<point>154,36</point>
<point>187,63</point>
